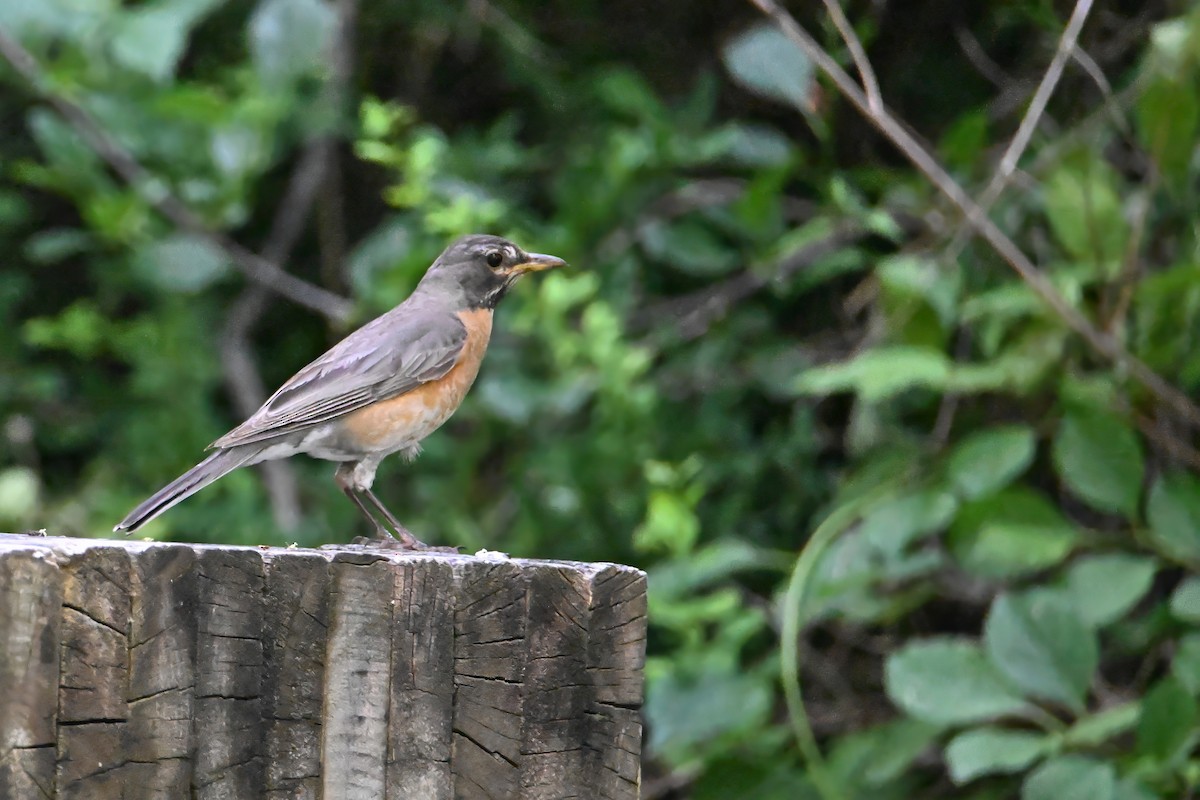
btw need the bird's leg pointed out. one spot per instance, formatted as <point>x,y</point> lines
<point>403,534</point>
<point>346,479</point>
<point>380,531</point>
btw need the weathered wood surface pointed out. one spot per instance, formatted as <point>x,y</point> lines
<point>145,670</point>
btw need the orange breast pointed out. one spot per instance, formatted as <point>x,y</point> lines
<point>403,421</point>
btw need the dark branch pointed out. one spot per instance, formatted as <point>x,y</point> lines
<point>153,191</point>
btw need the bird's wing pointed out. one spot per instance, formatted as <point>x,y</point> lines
<point>385,358</point>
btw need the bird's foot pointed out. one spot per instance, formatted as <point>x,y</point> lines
<point>404,540</point>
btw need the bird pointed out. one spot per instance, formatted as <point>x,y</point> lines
<point>381,390</point>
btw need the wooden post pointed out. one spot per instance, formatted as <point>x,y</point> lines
<point>145,670</point>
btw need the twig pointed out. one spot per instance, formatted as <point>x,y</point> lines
<point>894,130</point>
<point>155,192</point>
<point>1014,92</point>
<point>331,216</point>
<point>242,377</point>
<point>1173,445</point>
<point>943,424</point>
<point>1126,282</point>
<point>1037,106</point>
<point>313,172</point>
<point>858,53</point>
<point>1029,123</point>
<point>331,220</point>
<point>979,58</point>
<point>694,313</point>
<point>1098,77</point>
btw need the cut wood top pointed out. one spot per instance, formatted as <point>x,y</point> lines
<point>163,670</point>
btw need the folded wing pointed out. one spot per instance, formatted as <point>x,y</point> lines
<point>385,358</point>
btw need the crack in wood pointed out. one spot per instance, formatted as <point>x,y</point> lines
<point>167,670</point>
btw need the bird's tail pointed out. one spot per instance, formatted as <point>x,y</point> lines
<point>187,484</point>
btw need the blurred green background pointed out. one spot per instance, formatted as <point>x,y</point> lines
<point>771,318</point>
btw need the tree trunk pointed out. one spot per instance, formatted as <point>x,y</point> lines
<point>133,669</point>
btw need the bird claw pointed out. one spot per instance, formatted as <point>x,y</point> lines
<point>411,544</point>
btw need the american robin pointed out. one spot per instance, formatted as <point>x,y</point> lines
<point>379,391</point>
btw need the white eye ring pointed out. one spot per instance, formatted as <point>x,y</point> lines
<point>494,258</point>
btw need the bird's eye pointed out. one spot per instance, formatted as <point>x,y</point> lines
<point>494,258</point>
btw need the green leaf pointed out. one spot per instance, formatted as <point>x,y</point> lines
<point>182,262</point>
<point>893,525</point>
<point>964,142</point>
<point>712,564</point>
<point>689,246</point>
<point>1185,600</point>
<point>1173,512</point>
<point>1167,116</point>
<point>670,526</point>
<point>686,712</point>
<point>880,373</point>
<point>1168,721</point>
<point>62,146</point>
<point>877,755</point>
<point>1013,532</point>
<point>81,329</point>
<point>989,460</point>
<point>626,92</point>
<point>1071,778</point>
<point>69,19</point>
<point>752,144</point>
<point>1096,729</point>
<point>1131,788</point>
<point>948,681</point>
<point>1039,643</point>
<point>238,150</point>
<point>991,751</point>
<point>922,280</point>
<point>1105,587</point>
<point>151,38</point>
<point>56,244</point>
<point>1186,664</point>
<point>765,61</point>
<point>1084,209</point>
<point>1099,458</point>
<point>290,38</point>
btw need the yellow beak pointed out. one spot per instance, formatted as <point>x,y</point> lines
<point>536,262</point>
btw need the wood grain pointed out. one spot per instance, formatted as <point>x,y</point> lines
<point>30,599</point>
<point>143,670</point>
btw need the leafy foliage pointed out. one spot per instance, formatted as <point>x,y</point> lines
<point>771,322</point>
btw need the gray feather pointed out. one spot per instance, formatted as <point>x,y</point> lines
<point>385,358</point>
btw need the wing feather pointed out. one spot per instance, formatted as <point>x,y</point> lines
<point>385,358</point>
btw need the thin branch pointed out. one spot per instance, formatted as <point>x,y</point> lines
<point>1098,77</point>
<point>894,130</point>
<point>943,424</point>
<point>1169,442</point>
<point>1033,115</point>
<point>311,174</point>
<point>1114,107</point>
<point>858,53</point>
<point>1014,92</point>
<point>696,312</point>
<point>1037,106</point>
<point>984,64</point>
<point>154,191</point>
<point>242,377</point>
<point>331,213</point>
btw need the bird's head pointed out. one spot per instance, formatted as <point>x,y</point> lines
<point>484,268</point>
